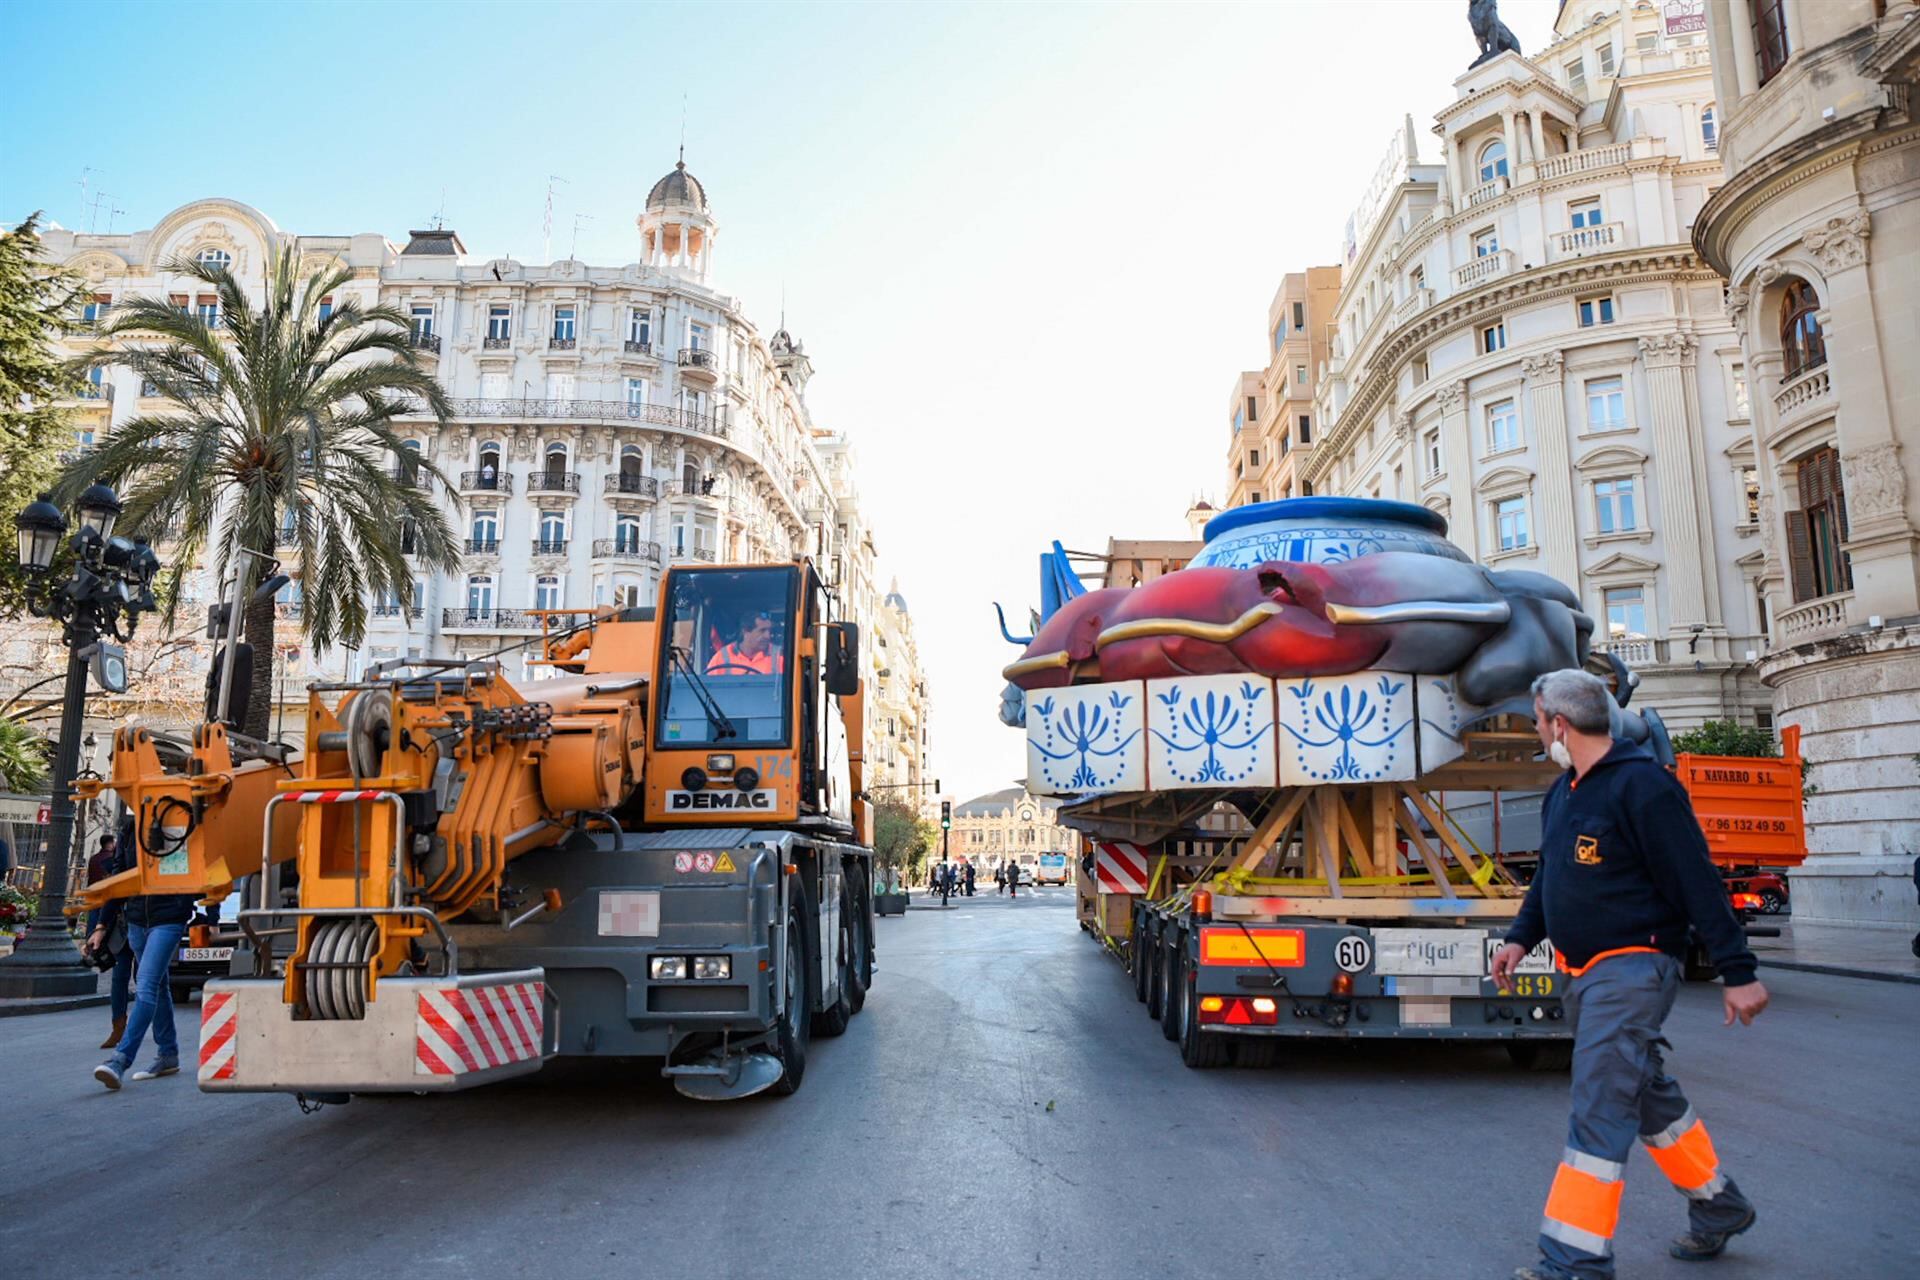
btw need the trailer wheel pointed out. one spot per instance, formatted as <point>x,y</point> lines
<point>1201,1050</point>
<point>1154,957</point>
<point>1173,980</point>
<point>1256,1053</point>
<point>832,1020</point>
<point>860,968</point>
<point>1541,1055</point>
<point>1137,961</point>
<point>792,1031</point>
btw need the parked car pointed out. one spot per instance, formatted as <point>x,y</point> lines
<point>1769,886</point>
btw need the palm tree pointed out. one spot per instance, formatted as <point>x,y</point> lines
<point>281,421</point>
<point>23,757</point>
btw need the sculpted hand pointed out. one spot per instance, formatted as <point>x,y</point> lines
<point>1745,1003</point>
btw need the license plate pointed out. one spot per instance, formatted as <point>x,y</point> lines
<point>206,953</point>
<point>633,914</point>
<point>1421,952</point>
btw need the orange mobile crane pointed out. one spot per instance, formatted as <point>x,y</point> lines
<point>659,850</point>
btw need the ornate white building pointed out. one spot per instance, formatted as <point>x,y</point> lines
<point>989,829</point>
<point>607,421</point>
<point>1527,342</point>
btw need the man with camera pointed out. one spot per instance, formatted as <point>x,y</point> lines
<point>107,938</point>
<point>155,925</point>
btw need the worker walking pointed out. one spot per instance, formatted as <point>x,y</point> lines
<point>1624,870</point>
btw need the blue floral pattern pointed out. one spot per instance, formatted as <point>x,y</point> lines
<point>1080,745</point>
<point>1214,736</point>
<point>1345,731</point>
<point>1319,545</point>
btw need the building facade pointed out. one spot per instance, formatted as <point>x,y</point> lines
<point>1271,446</point>
<point>990,829</point>
<point>1527,342</point>
<point>606,422</point>
<point>1816,228</point>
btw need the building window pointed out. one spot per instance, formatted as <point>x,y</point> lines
<point>326,308</point>
<point>1239,420</point>
<point>96,308</point>
<point>1576,75</point>
<point>1742,404</point>
<point>563,327</point>
<point>1605,52</point>
<point>1493,160</point>
<point>1299,375</point>
<point>1279,333</point>
<point>1486,242</point>
<point>479,594</point>
<point>1253,458</point>
<point>1430,452</point>
<point>546,592</point>
<point>1709,128</point>
<point>207,307</point>
<point>553,530</point>
<point>1770,36</point>
<point>1416,281</point>
<point>1503,426</point>
<point>1626,612</point>
<point>1613,506</point>
<point>1306,429</point>
<point>1750,487</point>
<point>1595,311</point>
<point>486,532</point>
<point>1606,404</point>
<point>699,336</point>
<point>499,323</point>
<point>640,326</point>
<point>1299,315</point>
<point>1583,213</point>
<point>1816,532</point>
<point>1493,338</point>
<point>1646,42</point>
<point>1256,495</point>
<point>636,391</point>
<point>422,320</point>
<point>1800,337</point>
<point>1510,523</point>
<point>1253,409</point>
<point>215,259</point>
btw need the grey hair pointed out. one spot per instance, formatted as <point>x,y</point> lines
<point>1578,695</point>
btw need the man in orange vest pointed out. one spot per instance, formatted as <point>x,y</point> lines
<point>753,654</point>
<point>1624,871</point>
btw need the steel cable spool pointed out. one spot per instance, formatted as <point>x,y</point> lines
<point>336,980</point>
<point>368,724</point>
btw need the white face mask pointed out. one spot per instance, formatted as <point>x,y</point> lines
<point>1558,753</point>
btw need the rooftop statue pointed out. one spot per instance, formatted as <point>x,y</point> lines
<point>1494,37</point>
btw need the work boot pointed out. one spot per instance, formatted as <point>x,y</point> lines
<point>119,1029</point>
<point>109,1072</point>
<point>1701,1246</point>
<point>157,1068</point>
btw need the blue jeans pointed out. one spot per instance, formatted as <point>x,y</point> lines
<point>153,993</point>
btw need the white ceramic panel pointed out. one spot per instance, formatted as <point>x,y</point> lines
<point>1352,728</point>
<point>1443,717</point>
<point>1210,731</point>
<point>1087,740</point>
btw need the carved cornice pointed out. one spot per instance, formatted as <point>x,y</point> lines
<point>1451,397</point>
<point>1876,486</point>
<point>1549,366</point>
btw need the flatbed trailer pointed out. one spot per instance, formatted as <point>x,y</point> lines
<point>1328,912</point>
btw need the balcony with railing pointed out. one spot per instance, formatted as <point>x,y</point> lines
<point>1586,160</point>
<point>626,485</point>
<point>1636,651</point>
<point>486,480</point>
<point>558,343</point>
<point>549,546</point>
<point>1482,269</point>
<point>483,546</point>
<point>637,347</point>
<point>389,610</point>
<point>702,488</point>
<point>659,415</point>
<point>95,393</point>
<point>1412,305</point>
<point>699,360</point>
<point>1580,241</point>
<point>553,482</point>
<point>489,620</point>
<point>499,342</point>
<point>414,477</point>
<point>1487,192</point>
<point>290,610</point>
<point>424,341</point>
<point>632,549</point>
<point>1821,618</point>
<point>1802,396</point>
<point>694,553</point>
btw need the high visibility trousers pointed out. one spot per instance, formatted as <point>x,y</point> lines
<point>1621,1091</point>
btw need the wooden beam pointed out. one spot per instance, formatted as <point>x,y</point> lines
<point>1436,866</point>
<point>1384,853</point>
<point>1321,830</point>
<point>1447,837</point>
<point>1277,819</point>
<point>1357,843</point>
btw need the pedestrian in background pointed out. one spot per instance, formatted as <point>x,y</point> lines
<point>1013,878</point>
<point>1624,870</point>
<point>1000,880</point>
<point>969,874</point>
<point>107,933</point>
<point>155,925</point>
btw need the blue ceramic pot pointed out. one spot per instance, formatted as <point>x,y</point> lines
<point>1322,531</point>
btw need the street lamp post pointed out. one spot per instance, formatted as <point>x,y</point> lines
<point>111,585</point>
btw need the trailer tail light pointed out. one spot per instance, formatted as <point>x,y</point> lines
<point>1747,902</point>
<point>1253,948</point>
<point>1239,1011</point>
<point>1343,984</point>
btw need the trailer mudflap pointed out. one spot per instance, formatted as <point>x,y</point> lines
<point>420,1035</point>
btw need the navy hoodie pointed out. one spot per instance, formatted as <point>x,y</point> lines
<point>1623,864</point>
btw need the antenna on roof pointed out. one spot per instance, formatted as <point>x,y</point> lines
<point>82,184</point>
<point>683,128</point>
<point>546,224</point>
<point>578,218</point>
<point>113,210</point>
<point>439,222</point>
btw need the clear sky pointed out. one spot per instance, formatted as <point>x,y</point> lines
<point>1028,247</point>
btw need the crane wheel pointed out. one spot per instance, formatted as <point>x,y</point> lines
<point>794,1028</point>
<point>859,972</point>
<point>832,1020</point>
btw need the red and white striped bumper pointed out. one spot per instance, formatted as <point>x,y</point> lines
<point>420,1034</point>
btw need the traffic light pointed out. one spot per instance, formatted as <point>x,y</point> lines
<point>946,814</point>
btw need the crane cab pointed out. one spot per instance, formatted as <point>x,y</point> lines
<point>744,728</point>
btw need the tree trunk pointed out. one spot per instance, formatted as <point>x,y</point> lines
<point>259,634</point>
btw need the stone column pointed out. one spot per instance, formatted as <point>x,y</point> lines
<point>1553,494</point>
<point>1746,59</point>
<point>1726,84</point>
<point>1881,543</point>
<point>1510,130</point>
<point>1680,476</point>
<point>1538,136</point>
<point>1456,444</point>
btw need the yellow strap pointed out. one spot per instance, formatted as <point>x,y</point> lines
<point>1153,885</point>
<point>1481,874</point>
<point>1422,878</point>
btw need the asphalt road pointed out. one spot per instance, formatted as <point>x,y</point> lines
<point>1002,1108</point>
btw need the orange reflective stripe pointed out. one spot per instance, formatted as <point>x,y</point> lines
<point>1588,1204</point>
<point>1560,961</point>
<point>1688,1159</point>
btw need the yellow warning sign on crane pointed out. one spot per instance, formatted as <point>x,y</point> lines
<point>724,862</point>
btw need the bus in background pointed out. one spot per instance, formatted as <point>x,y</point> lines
<point>1052,869</point>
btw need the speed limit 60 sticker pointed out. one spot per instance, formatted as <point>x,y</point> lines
<point>1353,953</point>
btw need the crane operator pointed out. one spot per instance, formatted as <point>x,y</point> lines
<point>754,653</point>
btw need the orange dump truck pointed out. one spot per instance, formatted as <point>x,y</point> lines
<point>1749,807</point>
